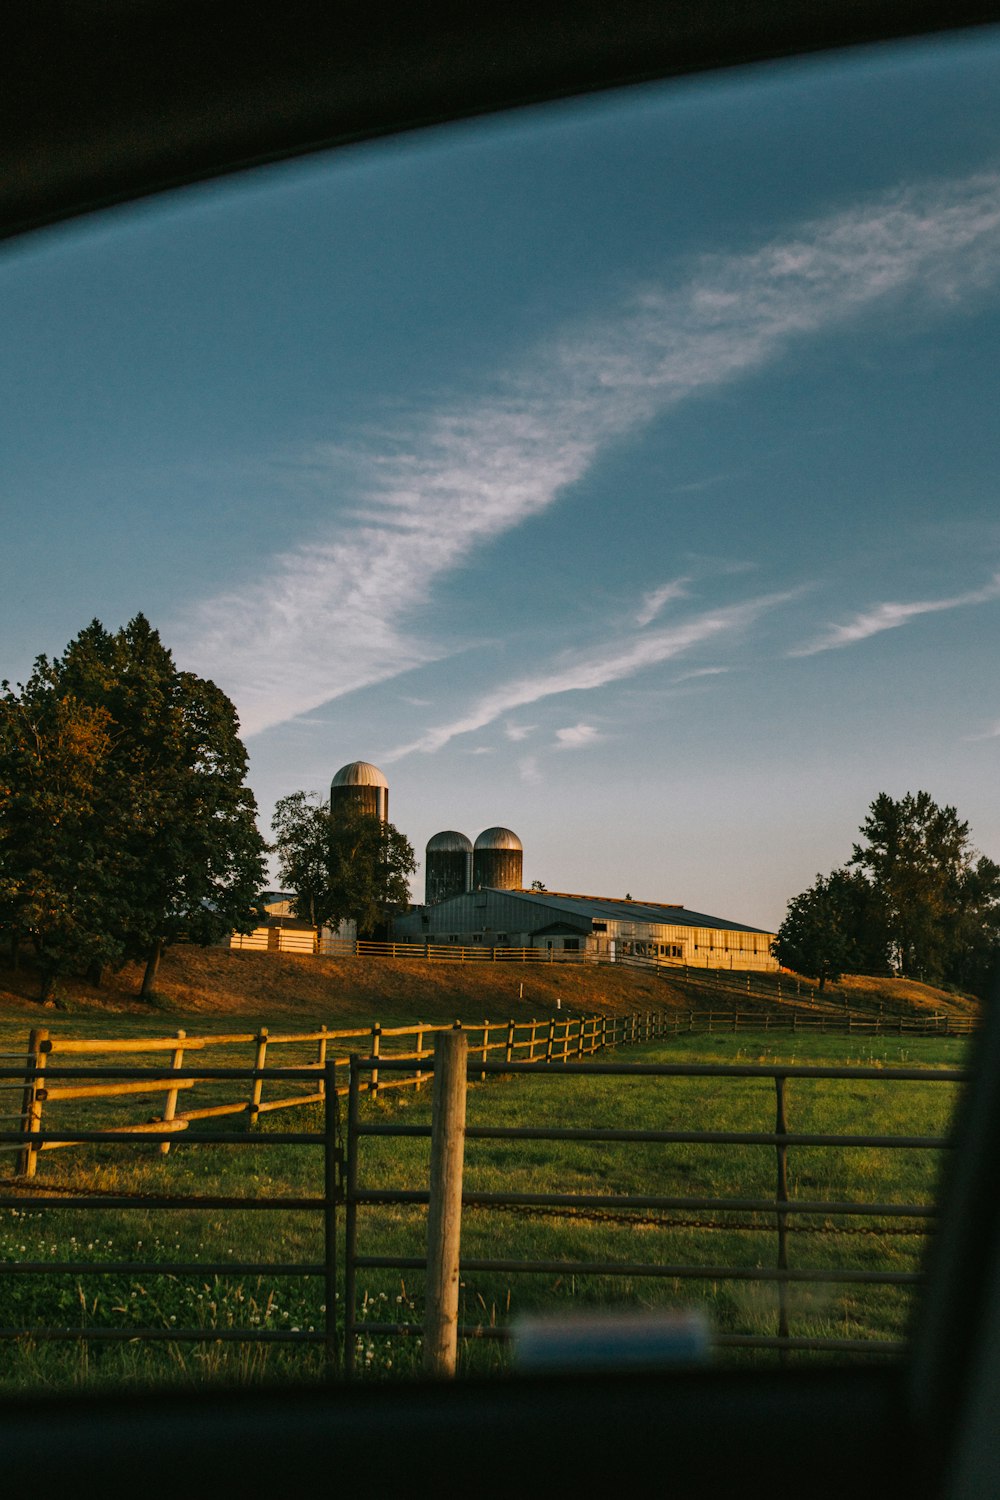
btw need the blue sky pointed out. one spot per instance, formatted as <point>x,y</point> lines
<point>623,472</point>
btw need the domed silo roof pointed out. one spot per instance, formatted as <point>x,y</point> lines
<point>498,838</point>
<point>449,842</point>
<point>359,773</point>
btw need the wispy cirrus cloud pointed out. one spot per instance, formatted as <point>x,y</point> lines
<point>336,612</point>
<point>891,616</point>
<point>611,661</point>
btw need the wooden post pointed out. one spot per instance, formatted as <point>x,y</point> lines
<point>486,1048</point>
<point>260,1055</point>
<point>321,1063</point>
<point>550,1039</point>
<point>31,1102</point>
<point>420,1048</point>
<point>579,1040</point>
<point>376,1051</point>
<point>170,1108</point>
<point>508,1051</point>
<point>444,1211</point>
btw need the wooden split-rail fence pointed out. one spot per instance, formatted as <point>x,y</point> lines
<point>560,1038</point>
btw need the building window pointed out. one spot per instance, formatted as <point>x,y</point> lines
<point>502,937</point>
<point>600,926</point>
<point>573,944</point>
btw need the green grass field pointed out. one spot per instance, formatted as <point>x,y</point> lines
<point>167,1299</point>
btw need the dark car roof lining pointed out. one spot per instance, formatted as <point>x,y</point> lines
<point>107,100</point>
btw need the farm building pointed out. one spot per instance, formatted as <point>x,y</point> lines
<point>606,927</point>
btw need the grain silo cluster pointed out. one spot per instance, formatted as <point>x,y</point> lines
<point>474,900</point>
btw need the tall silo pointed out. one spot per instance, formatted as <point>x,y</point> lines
<point>360,786</point>
<point>497,860</point>
<point>448,867</point>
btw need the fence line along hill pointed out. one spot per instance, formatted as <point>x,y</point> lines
<point>262,987</point>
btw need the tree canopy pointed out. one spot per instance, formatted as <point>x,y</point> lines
<point>125,821</point>
<point>916,899</point>
<point>354,868</point>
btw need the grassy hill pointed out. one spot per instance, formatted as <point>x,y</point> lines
<point>262,987</point>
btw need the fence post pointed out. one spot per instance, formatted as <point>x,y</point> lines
<point>486,1048</point>
<point>444,1210</point>
<point>257,1086</point>
<point>781,1196</point>
<point>31,1102</point>
<point>321,1063</point>
<point>420,1048</point>
<point>604,1033</point>
<point>550,1039</point>
<point>170,1108</point>
<point>508,1051</point>
<point>376,1051</point>
<point>579,1040</point>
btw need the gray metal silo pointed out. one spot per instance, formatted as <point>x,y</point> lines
<point>362,786</point>
<point>448,867</point>
<point>497,860</point>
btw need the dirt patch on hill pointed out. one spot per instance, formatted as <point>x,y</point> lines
<point>263,986</point>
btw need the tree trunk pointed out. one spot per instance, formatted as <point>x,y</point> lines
<point>48,986</point>
<point>152,968</point>
<point>95,973</point>
<point>822,984</point>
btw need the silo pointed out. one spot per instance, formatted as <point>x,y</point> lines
<point>448,867</point>
<point>497,860</point>
<point>360,786</point>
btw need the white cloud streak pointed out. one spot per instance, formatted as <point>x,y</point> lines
<point>577,737</point>
<point>335,613</point>
<point>612,661</point>
<point>656,600</point>
<point>891,616</point>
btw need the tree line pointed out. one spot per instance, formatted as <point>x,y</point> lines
<point>126,822</point>
<point>914,899</point>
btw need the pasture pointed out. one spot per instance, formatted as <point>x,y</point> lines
<point>171,1244</point>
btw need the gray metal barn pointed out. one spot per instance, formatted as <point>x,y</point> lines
<point>599,926</point>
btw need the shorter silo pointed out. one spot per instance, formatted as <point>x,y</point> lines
<point>448,868</point>
<point>497,860</point>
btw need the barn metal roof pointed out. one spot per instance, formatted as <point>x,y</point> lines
<point>619,909</point>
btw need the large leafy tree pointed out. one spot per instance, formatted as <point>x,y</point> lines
<point>831,929</point>
<point>939,896</point>
<point>916,898</point>
<point>355,868</point>
<point>172,831</point>
<point>58,887</point>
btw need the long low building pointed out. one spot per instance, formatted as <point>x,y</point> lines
<point>602,926</point>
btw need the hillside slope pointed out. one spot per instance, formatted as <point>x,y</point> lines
<point>261,987</point>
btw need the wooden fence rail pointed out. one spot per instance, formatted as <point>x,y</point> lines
<point>559,1039</point>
